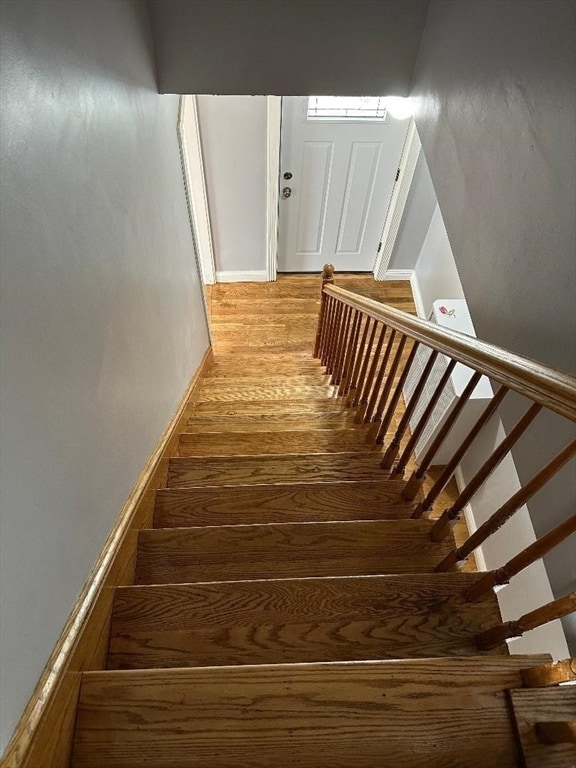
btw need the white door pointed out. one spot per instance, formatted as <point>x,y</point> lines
<point>336,181</point>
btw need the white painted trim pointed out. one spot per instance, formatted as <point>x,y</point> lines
<point>408,160</point>
<point>248,276</point>
<point>470,521</point>
<point>186,178</point>
<point>417,294</point>
<point>196,182</point>
<point>273,132</point>
<point>398,274</point>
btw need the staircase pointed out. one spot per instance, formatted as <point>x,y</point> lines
<point>285,609</point>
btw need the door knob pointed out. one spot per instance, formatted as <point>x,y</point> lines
<point>286,192</point>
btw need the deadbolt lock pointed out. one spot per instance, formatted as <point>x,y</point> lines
<point>286,192</point>
<point>287,175</point>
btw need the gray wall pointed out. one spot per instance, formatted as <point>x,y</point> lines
<point>495,106</point>
<point>418,212</point>
<point>287,47</point>
<point>233,135</point>
<point>101,312</point>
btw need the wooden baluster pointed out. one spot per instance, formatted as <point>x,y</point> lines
<point>423,421</point>
<point>336,325</point>
<point>557,609</point>
<point>327,277</point>
<point>363,402</point>
<point>419,475</point>
<point>355,393</point>
<point>553,673</point>
<point>377,418</point>
<point>556,732</point>
<point>426,505</point>
<point>347,346</point>
<point>356,361</point>
<point>341,349</point>
<point>394,447</point>
<point>325,335</point>
<point>331,312</point>
<point>502,515</point>
<point>390,411</point>
<point>350,353</point>
<point>448,518</point>
<point>379,378</point>
<point>525,558</point>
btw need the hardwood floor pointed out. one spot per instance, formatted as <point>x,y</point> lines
<point>285,609</point>
<point>291,304</point>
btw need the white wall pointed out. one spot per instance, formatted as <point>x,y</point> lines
<point>233,136</point>
<point>420,206</point>
<point>530,589</point>
<point>102,322</point>
<point>435,273</point>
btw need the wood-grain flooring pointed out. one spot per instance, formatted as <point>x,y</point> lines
<point>279,545</point>
<point>421,713</point>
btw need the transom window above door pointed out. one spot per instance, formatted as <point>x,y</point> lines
<point>347,108</point>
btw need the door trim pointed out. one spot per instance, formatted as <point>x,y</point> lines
<point>196,187</point>
<point>408,160</point>
<point>273,133</point>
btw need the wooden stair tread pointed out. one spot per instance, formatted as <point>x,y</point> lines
<point>297,620</point>
<point>534,705</point>
<point>296,502</point>
<point>421,713</point>
<point>268,422</point>
<point>274,443</point>
<point>287,550</point>
<point>208,394</point>
<point>313,405</point>
<point>254,470</point>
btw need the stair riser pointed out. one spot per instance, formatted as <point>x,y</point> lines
<point>263,470</point>
<point>286,551</point>
<point>280,504</point>
<point>246,444</point>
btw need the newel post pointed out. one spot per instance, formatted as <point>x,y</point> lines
<point>327,277</point>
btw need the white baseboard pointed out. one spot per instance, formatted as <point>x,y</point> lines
<point>417,294</point>
<point>249,276</point>
<point>398,274</point>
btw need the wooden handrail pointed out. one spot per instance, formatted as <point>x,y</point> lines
<point>547,386</point>
<point>554,673</point>
<point>350,339</point>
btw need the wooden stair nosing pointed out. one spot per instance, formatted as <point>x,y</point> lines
<point>287,550</point>
<point>296,502</point>
<point>255,470</point>
<point>297,620</point>
<point>420,713</point>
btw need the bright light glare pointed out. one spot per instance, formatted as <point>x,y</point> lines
<point>399,107</point>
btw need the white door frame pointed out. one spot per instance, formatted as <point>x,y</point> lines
<point>273,132</point>
<point>408,160</point>
<point>196,186</point>
<point>407,166</point>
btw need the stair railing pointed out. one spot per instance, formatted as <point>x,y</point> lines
<point>369,349</point>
